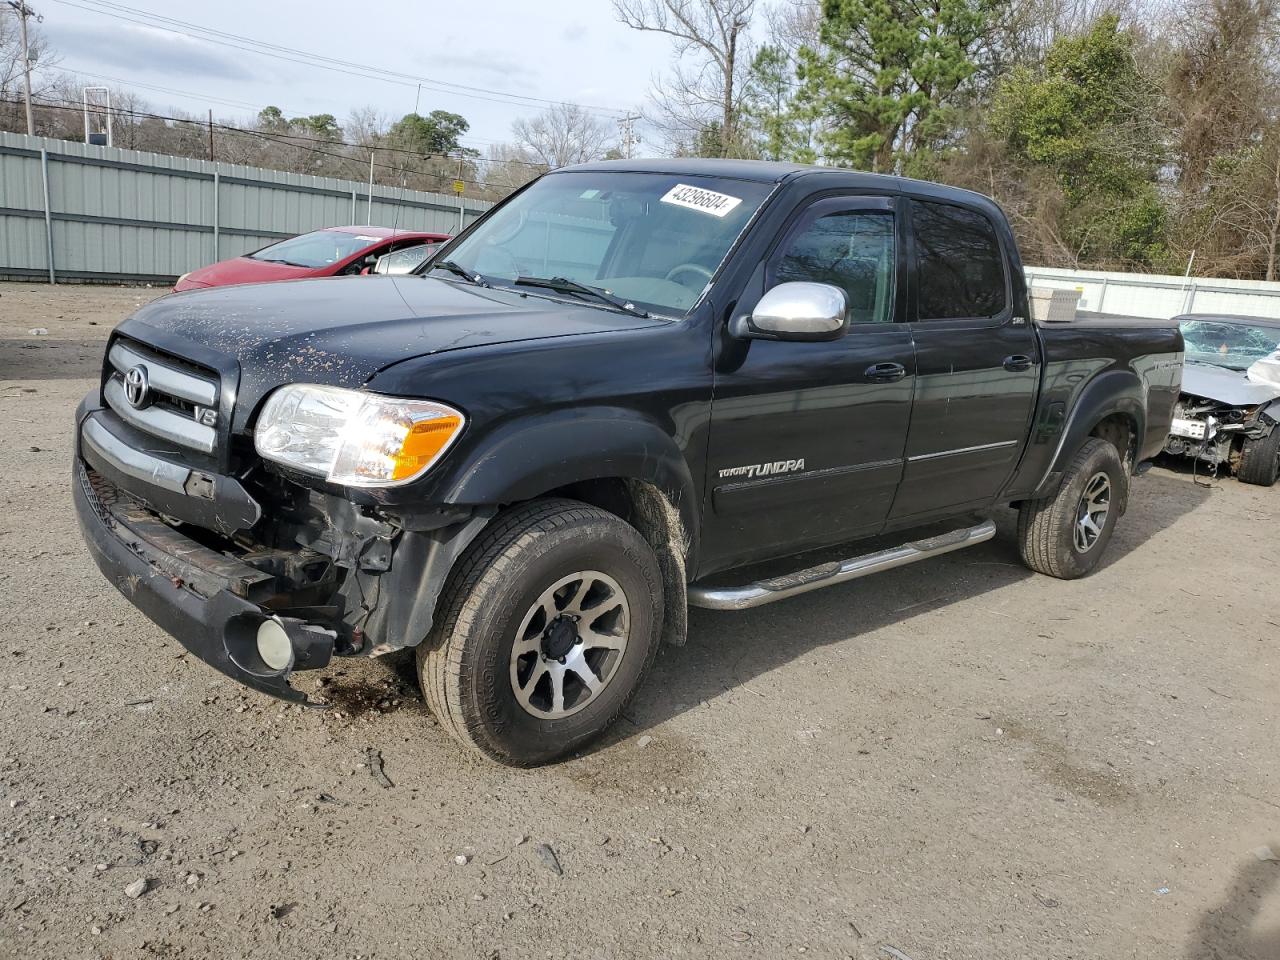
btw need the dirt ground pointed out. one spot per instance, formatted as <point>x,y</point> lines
<point>958,759</point>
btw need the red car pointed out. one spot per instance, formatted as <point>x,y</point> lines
<point>332,252</point>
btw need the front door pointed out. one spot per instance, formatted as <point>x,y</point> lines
<point>977,365</point>
<point>806,444</point>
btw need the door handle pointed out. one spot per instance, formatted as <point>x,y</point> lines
<point>1017,362</point>
<point>885,372</point>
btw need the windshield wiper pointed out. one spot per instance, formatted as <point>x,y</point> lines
<point>457,269</point>
<point>287,263</point>
<point>565,285</point>
<point>1213,363</point>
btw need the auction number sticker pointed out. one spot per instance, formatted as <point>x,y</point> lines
<point>696,198</point>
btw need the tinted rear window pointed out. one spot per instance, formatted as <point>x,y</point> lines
<point>959,267</point>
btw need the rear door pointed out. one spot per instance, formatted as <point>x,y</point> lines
<point>977,363</point>
<point>807,438</point>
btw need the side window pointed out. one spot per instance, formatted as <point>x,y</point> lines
<point>959,267</point>
<point>850,249</point>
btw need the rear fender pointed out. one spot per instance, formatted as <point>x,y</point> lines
<point>1114,392</point>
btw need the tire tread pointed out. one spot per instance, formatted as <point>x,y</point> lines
<point>1040,522</point>
<point>442,664</point>
<point>1258,460</point>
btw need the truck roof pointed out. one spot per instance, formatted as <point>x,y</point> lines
<point>770,171</point>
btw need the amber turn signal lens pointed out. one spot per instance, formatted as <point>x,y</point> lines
<point>422,444</point>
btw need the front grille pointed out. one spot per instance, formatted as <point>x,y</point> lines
<point>180,402</point>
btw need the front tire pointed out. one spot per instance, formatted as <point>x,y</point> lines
<point>1065,535</point>
<point>544,632</point>
<point>1260,459</point>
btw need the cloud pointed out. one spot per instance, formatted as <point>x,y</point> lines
<point>142,49</point>
<point>474,65</point>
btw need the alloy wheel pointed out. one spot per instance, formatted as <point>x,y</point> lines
<point>1091,513</point>
<point>569,644</point>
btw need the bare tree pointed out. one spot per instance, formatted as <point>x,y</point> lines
<point>367,126</point>
<point>1224,82</point>
<point>701,100</point>
<point>43,60</point>
<point>509,167</point>
<point>1235,228</point>
<point>794,24</point>
<point>563,134</point>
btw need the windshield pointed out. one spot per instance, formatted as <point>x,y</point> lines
<point>652,239</point>
<point>317,249</point>
<point>1234,344</point>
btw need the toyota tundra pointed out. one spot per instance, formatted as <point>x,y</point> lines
<point>621,392</point>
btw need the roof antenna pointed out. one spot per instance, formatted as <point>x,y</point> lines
<point>404,175</point>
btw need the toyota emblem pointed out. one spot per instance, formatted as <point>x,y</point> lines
<point>136,388</point>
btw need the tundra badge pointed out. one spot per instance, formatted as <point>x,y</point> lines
<point>764,469</point>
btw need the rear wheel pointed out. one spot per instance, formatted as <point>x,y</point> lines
<point>1065,535</point>
<point>1260,459</point>
<point>544,633</point>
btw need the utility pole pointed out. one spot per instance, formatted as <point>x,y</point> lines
<point>628,137</point>
<point>211,133</point>
<point>458,187</point>
<point>25,13</point>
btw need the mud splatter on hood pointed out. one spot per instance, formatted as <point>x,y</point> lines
<point>343,330</point>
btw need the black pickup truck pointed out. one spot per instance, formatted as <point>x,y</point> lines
<point>622,391</point>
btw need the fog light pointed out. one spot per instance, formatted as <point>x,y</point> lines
<point>274,646</point>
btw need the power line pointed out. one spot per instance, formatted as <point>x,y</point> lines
<point>291,139</point>
<point>172,91</point>
<point>222,101</point>
<point>291,54</point>
<point>285,137</point>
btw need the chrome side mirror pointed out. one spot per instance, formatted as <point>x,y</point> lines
<point>796,311</point>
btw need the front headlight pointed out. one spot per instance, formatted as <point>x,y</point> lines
<point>354,438</point>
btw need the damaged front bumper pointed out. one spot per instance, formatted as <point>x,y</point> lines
<point>211,603</point>
<point>340,581</point>
<point>1213,432</point>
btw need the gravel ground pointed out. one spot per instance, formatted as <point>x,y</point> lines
<point>958,759</point>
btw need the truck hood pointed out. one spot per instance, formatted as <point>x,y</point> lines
<point>341,331</point>
<point>1231,387</point>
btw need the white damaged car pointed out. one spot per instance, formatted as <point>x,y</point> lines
<point>1229,412</point>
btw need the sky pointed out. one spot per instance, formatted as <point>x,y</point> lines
<point>555,50</point>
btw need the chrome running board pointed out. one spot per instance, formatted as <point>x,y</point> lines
<point>838,571</point>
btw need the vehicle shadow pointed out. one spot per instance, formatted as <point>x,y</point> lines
<point>728,650</point>
<point>1229,930</point>
<point>44,359</point>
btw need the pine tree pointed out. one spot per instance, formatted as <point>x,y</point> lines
<point>887,73</point>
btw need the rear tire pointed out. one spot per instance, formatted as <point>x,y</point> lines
<point>1260,459</point>
<point>544,632</point>
<point>1065,535</point>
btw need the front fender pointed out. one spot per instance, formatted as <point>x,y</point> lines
<point>531,455</point>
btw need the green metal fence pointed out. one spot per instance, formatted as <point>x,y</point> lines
<point>70,211</point>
